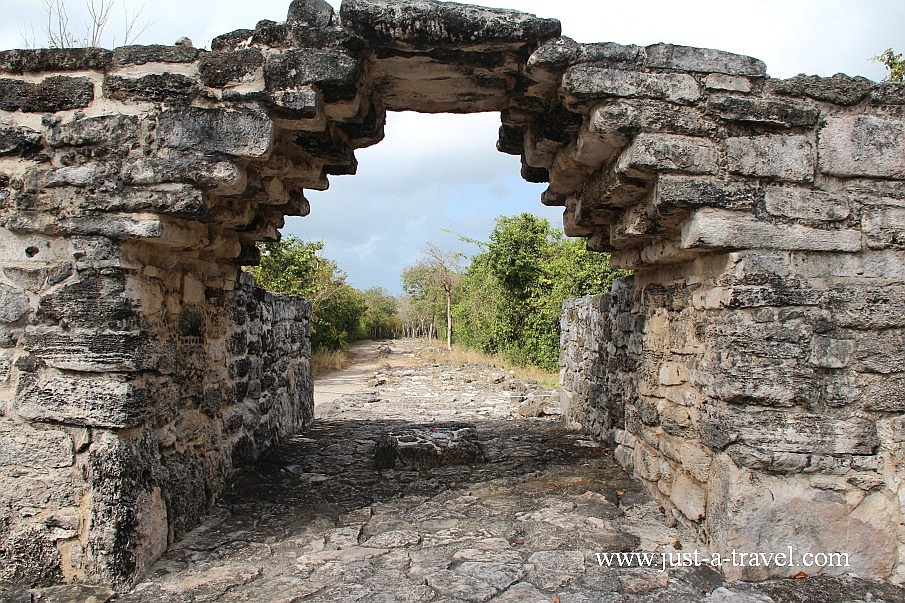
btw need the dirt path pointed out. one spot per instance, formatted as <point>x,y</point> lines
<point>426,482</point>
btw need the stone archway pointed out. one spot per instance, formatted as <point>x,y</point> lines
<point>751,374</point>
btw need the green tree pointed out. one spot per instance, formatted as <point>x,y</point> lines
<point>430,284</point>
<point>297,267</point>
<point>894,63</point>
<point>510,298</point>
<point>381,318</point>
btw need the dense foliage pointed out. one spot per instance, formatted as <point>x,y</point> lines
<point>508,300</point>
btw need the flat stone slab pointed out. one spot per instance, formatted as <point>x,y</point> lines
<point>429,446</point>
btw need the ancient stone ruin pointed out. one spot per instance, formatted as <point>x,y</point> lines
<point>751,372</point>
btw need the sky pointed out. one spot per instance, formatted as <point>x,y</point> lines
<point>436,178</point>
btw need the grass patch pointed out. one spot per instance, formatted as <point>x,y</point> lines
<point>324,362</point>
<point>462,355</point>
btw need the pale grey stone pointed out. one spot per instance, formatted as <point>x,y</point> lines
<point>686,58</point>
<point>22,445</point>
<point>862,145</point>
<point>789,157</point>
<point>240,132</point>
<point>589,81</point>
<point>797,203</point>
<point>668,152</point>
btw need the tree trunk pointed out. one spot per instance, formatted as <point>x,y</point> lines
<point>448,291</point>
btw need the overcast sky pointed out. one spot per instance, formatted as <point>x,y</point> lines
<point>442,172</point>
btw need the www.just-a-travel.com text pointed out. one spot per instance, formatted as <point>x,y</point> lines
<point>667,560</point>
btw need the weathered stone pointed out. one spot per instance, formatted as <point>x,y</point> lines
<point>234,40</point>
<point>242,133</point>
<point>731,83</point>
<point>669,153</point>
<point>884,227</point>
<point>585,82</point>
<point>55,93</point>
<point>688,496</point>
<point>840,89</point>
<point>882,352</point>
<point>54,59</point>
<point>315,13</point>
<point>14,304</point>
<point>334,72</point>
<point>773,430</point>
<point>803,204</point>
<point>155,53</point>
<point>686,58</point>
<point>218,69</point>
<point>711,227</point>
<point>104,402</point>
<point>784,157</point>
<point>862,145</point>
<point>18,140</point>
<point>25,446</point>
<point>86,350</point>
<point>673,191</point>
<point>746,109</point>
<point>29,558</point>
<point>102,130</point>
<point>221,176</point>
<point>167,88</point>
<point>428,448</point>
<point>831,353</point>
<point>428,24</point>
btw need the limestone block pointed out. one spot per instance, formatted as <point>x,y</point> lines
<point>882,392</point>
<point>223,177</point>
<point>333,72</point>
<point>97,300</point>
<point>840,89</point>
<point>789,157</point>
<point>25,446</point>
<point>687,58</point>
<point>154,53</point>
<point>610,53</point>
<point>219,69</point>
<point>106,130</point>
<point>92,350</point>
<point>688,496</point>
<point>751,511</point>
<point>803,204</point>
<point>239,132</point>
<point>169,88</point>
<point>731,83</point>
<point>676,191</point>
<point>16,140</point>
<point>787,431</point>
<point>668,152</point>
<point>746,109</point>
<point>14,304</point>
<point>56,93</point>
<point>29,558</point>
<point>103,402</point>
<point>881,351</point>
<point>646,462</point>
<point>827,352</point>
<point>429,24</point>
<point>54,59</point>
<point>862,145</point>
<point>711,227</point>
<point>673,373</point>
<point>314,13</point>
<point>589,82</point>
<point>695,458</point>
<point>884,227</point>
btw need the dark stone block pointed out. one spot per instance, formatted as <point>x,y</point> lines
<point>217,69</point>
<point>428,24</point>
<point>54,59</point>
<point>749,110</point>
<point>156,53</point>
<point>316,13</point>
<point>168,88</point>
<point>240,132</point>
<point>232,40</point>
<point>840,89</point>
<point>186,493</point>
<point>57,93</point>
<point>96,300</point>
<point>29,559</point>
<point>432,446</point>
<point>109,130</point>
<point>19,140</point>
<point>335,73</point>
<point>300,35</point>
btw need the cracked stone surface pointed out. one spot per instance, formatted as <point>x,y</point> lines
<point>319,520</point>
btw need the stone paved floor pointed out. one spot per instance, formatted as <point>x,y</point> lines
<point>318,520</point>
